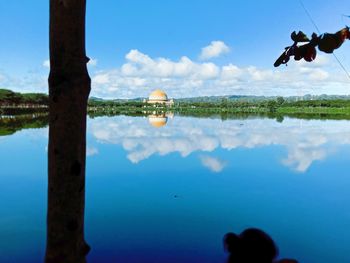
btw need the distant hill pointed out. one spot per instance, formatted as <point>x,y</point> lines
<point>10,97</point>
<point>115,100</point>
<point>248,98</point>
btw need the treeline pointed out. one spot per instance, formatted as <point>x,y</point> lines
<point>13,103</point>
<point>338,103</point>
<point>9,98</point>
<point>111,108</point>
<point>254,98</point>
<point>112,103</point>
<point>225,107</point>
<point>11,124</point>
<point>276,105</point>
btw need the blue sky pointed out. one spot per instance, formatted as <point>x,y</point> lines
<point>137,46</point>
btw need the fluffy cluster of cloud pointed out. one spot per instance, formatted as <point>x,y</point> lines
<point>213,164</point>
<point>46,63</point>
<point>91,151</point>
<point>215,49</point>
<point>305,142</point>
<point>140,74</point>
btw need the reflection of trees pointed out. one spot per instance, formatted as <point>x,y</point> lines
<point>222,115</point>
<point>12,124</point>
<point>21,110</point>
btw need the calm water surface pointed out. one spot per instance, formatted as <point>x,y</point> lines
<point>169,194</point>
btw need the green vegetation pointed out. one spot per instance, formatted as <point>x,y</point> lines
<point>14,119</point>
<point>278,106</point>
<point>13,103</point>
<point>226,109</point>
<point>11,124</point>
<point>9,98</point>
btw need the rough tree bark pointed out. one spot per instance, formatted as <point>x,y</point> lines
<point>69,88</point>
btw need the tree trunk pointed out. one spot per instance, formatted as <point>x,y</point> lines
<point>69,88</point>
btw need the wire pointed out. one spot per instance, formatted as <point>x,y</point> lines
<point>342,17</point>
<point>318,30</point>
<point>310,17</point>
<point>341,65</point>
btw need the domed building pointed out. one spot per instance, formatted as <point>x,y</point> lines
<point>159,97</point>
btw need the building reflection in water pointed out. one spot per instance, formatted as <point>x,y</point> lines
<point>158,120</point>
<point>312,143</point>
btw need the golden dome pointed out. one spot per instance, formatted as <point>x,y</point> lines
<point>158,95</point>
<point>157,121</point>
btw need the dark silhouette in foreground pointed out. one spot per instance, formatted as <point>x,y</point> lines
<point>326,43</point>
<point>69,88</point>
<point>252,246</point>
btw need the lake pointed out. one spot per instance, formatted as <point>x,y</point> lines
<point>168,188</point>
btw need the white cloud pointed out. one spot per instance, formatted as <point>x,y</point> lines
<point>316,74</point>
<point>139,64</point>
<point>92,62</point>
<point>101,79</point>
<point>214,164</point>
<point>301,159</point>
<point>139,58</point>
<point>91,151</point>
<point>46,63</point>
<point>230,72</point>
<point>141,74</point>
<point>215,49</point>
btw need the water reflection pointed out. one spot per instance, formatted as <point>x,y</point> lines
<point>158,120</point>
<point>214,164</point>
<point>10,124</point>
<point>137,214</point>
<point>304,141</point>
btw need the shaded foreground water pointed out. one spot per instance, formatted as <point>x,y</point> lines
<point>164,189</point>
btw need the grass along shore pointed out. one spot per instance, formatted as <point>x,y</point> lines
<point>196,109</point>
<point>12,103</point>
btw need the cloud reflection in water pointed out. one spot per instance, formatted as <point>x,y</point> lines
<point>305,141</point>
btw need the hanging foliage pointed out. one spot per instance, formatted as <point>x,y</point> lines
<point>326,43</point>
